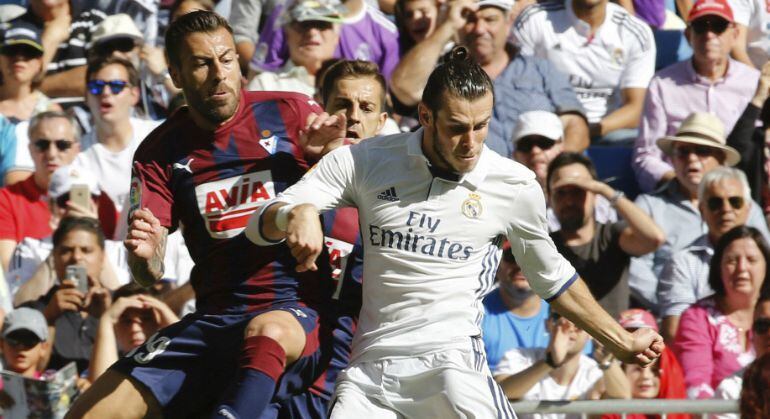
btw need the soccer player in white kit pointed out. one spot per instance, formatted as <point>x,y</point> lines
<point>434,207</point>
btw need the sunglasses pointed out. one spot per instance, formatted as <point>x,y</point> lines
<point>21,50</point>
<point>96,87</point>
<point>717,26</point>
<point>312,24</point>
<point>526,144</point>
<point>22,340</point>
<point>118,44</point>
<point>43,144</point>
<point>700,151</point>
<point>716,203</point>
<point>761,325</point>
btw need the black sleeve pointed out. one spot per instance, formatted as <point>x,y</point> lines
<point>749,141</point>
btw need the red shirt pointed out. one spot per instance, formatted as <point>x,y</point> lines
<point>24,211</point>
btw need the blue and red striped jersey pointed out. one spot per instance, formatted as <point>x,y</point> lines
<point>209,183</point>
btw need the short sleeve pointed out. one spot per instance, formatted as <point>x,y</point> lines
<point>742,11</point>
<point>150,188</point>
<point>548,272</point>
<point>525,30</point>
<point>328,185</point>
<point>640,64</point>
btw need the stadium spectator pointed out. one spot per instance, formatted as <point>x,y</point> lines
<point>64,38</point>
<point>748,139</point>
<point>145,14</point>
<point>600,252</point>
<point>663,380</point>
<point>8,148</point>
<point>697,148</point>
<point>25,343</point>
<point>608,54</point>
<point>181,7</point>
<point>561,371</point>
<point>724,200</point>
<point>71,313</point>
<point>134,315</point>
<point>118,36</point>
<point>522,83</point>
<point>247,18</point>
<point>730,387</point>
<point>751,18</point>
<point>23,207</point>
<point>754,401</point>
<point>108,149</point>
<point>21,66</point>
<point>312,34</point>
<point>712,340</point>
<point>365,34</point>
<point>416,20</point>
<point>710,82</point>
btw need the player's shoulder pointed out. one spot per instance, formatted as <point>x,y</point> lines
<point>540,11</point>
<point>291,98</point>
<point>162,135</point>
<point>507,170</point>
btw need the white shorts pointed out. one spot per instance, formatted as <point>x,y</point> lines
<point>455,383</point>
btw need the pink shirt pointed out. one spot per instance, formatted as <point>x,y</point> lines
<point>674,93</point>
<point>709,349</point>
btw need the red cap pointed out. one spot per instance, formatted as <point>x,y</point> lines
<point>636,318</point>
<point>711,7</point>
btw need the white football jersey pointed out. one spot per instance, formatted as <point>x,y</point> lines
<point>619,55</point>
<point>432,246</point>
<point>755,16</point>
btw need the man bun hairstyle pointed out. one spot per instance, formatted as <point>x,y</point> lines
<point>459,76</point>
<point>196,21</point>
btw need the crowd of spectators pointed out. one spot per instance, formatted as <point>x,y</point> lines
<point>82,83</point>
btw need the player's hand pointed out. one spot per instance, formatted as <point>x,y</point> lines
<point>304,236</point>
<point>145,234</point>
<point>67,298</point>
<point>647,346</point>
<point>323,133</point>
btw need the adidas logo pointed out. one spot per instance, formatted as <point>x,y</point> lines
<point>388,195</point>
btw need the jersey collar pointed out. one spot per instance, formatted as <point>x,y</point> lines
<point>472,179</point>
<point>581,27</point>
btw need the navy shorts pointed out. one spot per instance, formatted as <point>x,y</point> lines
<point>302,406</point>
<point>187,366</point>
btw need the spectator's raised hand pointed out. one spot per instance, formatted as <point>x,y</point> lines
<point>97,301</point>
<point>560,344</point>
<point>763,87</point>
<point>154,58</point>
<point>163,313</point>
<point>113,313</point>
<point>585,183</point>
<point>75,210</point>
<point>456,13</point>
<point>67,298</point>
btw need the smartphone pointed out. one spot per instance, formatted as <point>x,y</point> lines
<point>80,195</point>
<point>77,274</point>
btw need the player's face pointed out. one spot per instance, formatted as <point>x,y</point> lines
<point>485,33</point>
<point>311,43</point>
<point>209,75</point>
<point>761,328</point>
<point>108,106</point>
<point>454,136</point>
<point>79,247</point>
<point>720,214</point>
<point>134,327</point>
<point>22,350</point>
<point>360,99</point>
<point>572,205</point>
<point>420,18</point>
<point>52,145</point>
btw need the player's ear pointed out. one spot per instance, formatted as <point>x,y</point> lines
<point>424,114</point>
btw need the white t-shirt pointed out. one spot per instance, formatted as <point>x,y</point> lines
<point>588,374</point>
<point>432,245</point>
<point>620,55</point>
<point>113,169</point>
<point>754,15</point>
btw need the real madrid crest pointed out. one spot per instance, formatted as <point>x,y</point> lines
<point>471,207</point>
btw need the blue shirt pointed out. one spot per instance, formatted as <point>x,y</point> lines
<point>7,146</point>
<point>527,84</point>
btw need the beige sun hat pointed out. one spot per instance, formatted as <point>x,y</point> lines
<point>701,128</point>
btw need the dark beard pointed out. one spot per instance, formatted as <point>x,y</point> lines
<point>572,223</point>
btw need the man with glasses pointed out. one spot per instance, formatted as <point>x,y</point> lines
<point>54,142</point>
<point>697,148</point>
<point>724,200</point>
<point>708,82</point>
<point>109,148</point>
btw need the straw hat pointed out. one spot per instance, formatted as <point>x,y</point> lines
<point>704,129</point>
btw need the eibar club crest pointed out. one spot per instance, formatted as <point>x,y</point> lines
<point>471,207</point>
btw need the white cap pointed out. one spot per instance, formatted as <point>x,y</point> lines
<point>65,177</point>
<point>115,26</point>
<point>542,123</point>
<point>506,5</point>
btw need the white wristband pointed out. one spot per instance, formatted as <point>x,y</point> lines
<point>282,217</point>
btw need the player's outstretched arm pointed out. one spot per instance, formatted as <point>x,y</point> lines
<point>298,224</point>
<point>146,244</point>
<point>577,304</point>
